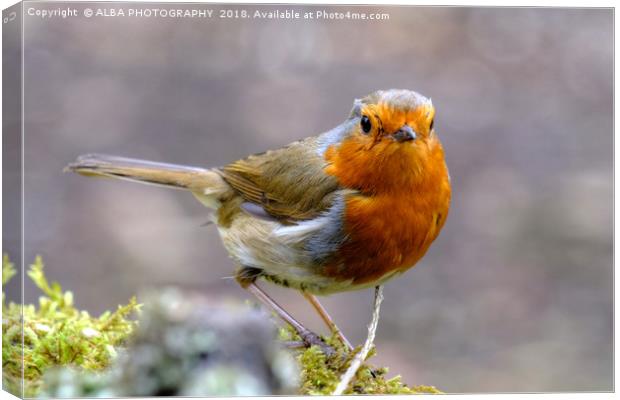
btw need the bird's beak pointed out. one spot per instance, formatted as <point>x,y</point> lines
<point>404,134</point>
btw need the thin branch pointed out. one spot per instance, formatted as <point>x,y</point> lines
<point>361,356</point>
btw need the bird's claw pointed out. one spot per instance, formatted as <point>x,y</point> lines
<point>312,339</point>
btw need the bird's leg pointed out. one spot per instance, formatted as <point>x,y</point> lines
<point>326,318</point>
<point>307,336</point>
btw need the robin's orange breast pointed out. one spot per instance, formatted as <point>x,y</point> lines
<point>387,234</point>
<point>397,213</point>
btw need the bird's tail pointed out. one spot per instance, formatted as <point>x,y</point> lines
<point>198,180</point>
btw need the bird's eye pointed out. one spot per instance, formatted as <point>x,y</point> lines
<point>365,124</point>
<point>432,125</point>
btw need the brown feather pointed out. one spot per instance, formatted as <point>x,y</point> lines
<point>289,183</point>
<point>171,175</point>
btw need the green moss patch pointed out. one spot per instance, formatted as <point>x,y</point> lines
<point>56,333</point>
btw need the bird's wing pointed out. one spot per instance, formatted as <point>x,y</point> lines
<point>288,183</point>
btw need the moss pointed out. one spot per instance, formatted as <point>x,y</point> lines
<point>187,345</point>
<point>56,333</point>
<point>320,374</point>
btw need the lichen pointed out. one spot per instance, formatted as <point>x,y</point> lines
<point>56,333</point>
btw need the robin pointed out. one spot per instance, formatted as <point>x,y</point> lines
<point>345,210</point>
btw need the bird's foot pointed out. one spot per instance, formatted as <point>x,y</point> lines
<point>312,339</point>
<point>295,344</point>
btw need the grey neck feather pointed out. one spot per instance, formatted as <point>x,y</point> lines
<point>336,135</point>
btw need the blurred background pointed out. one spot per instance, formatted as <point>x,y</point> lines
<point>516,293</point>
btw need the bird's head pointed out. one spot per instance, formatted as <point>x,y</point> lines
<point>394,116</point>
<point>392,142</point>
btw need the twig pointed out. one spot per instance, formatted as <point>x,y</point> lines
<point>361,356</point>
